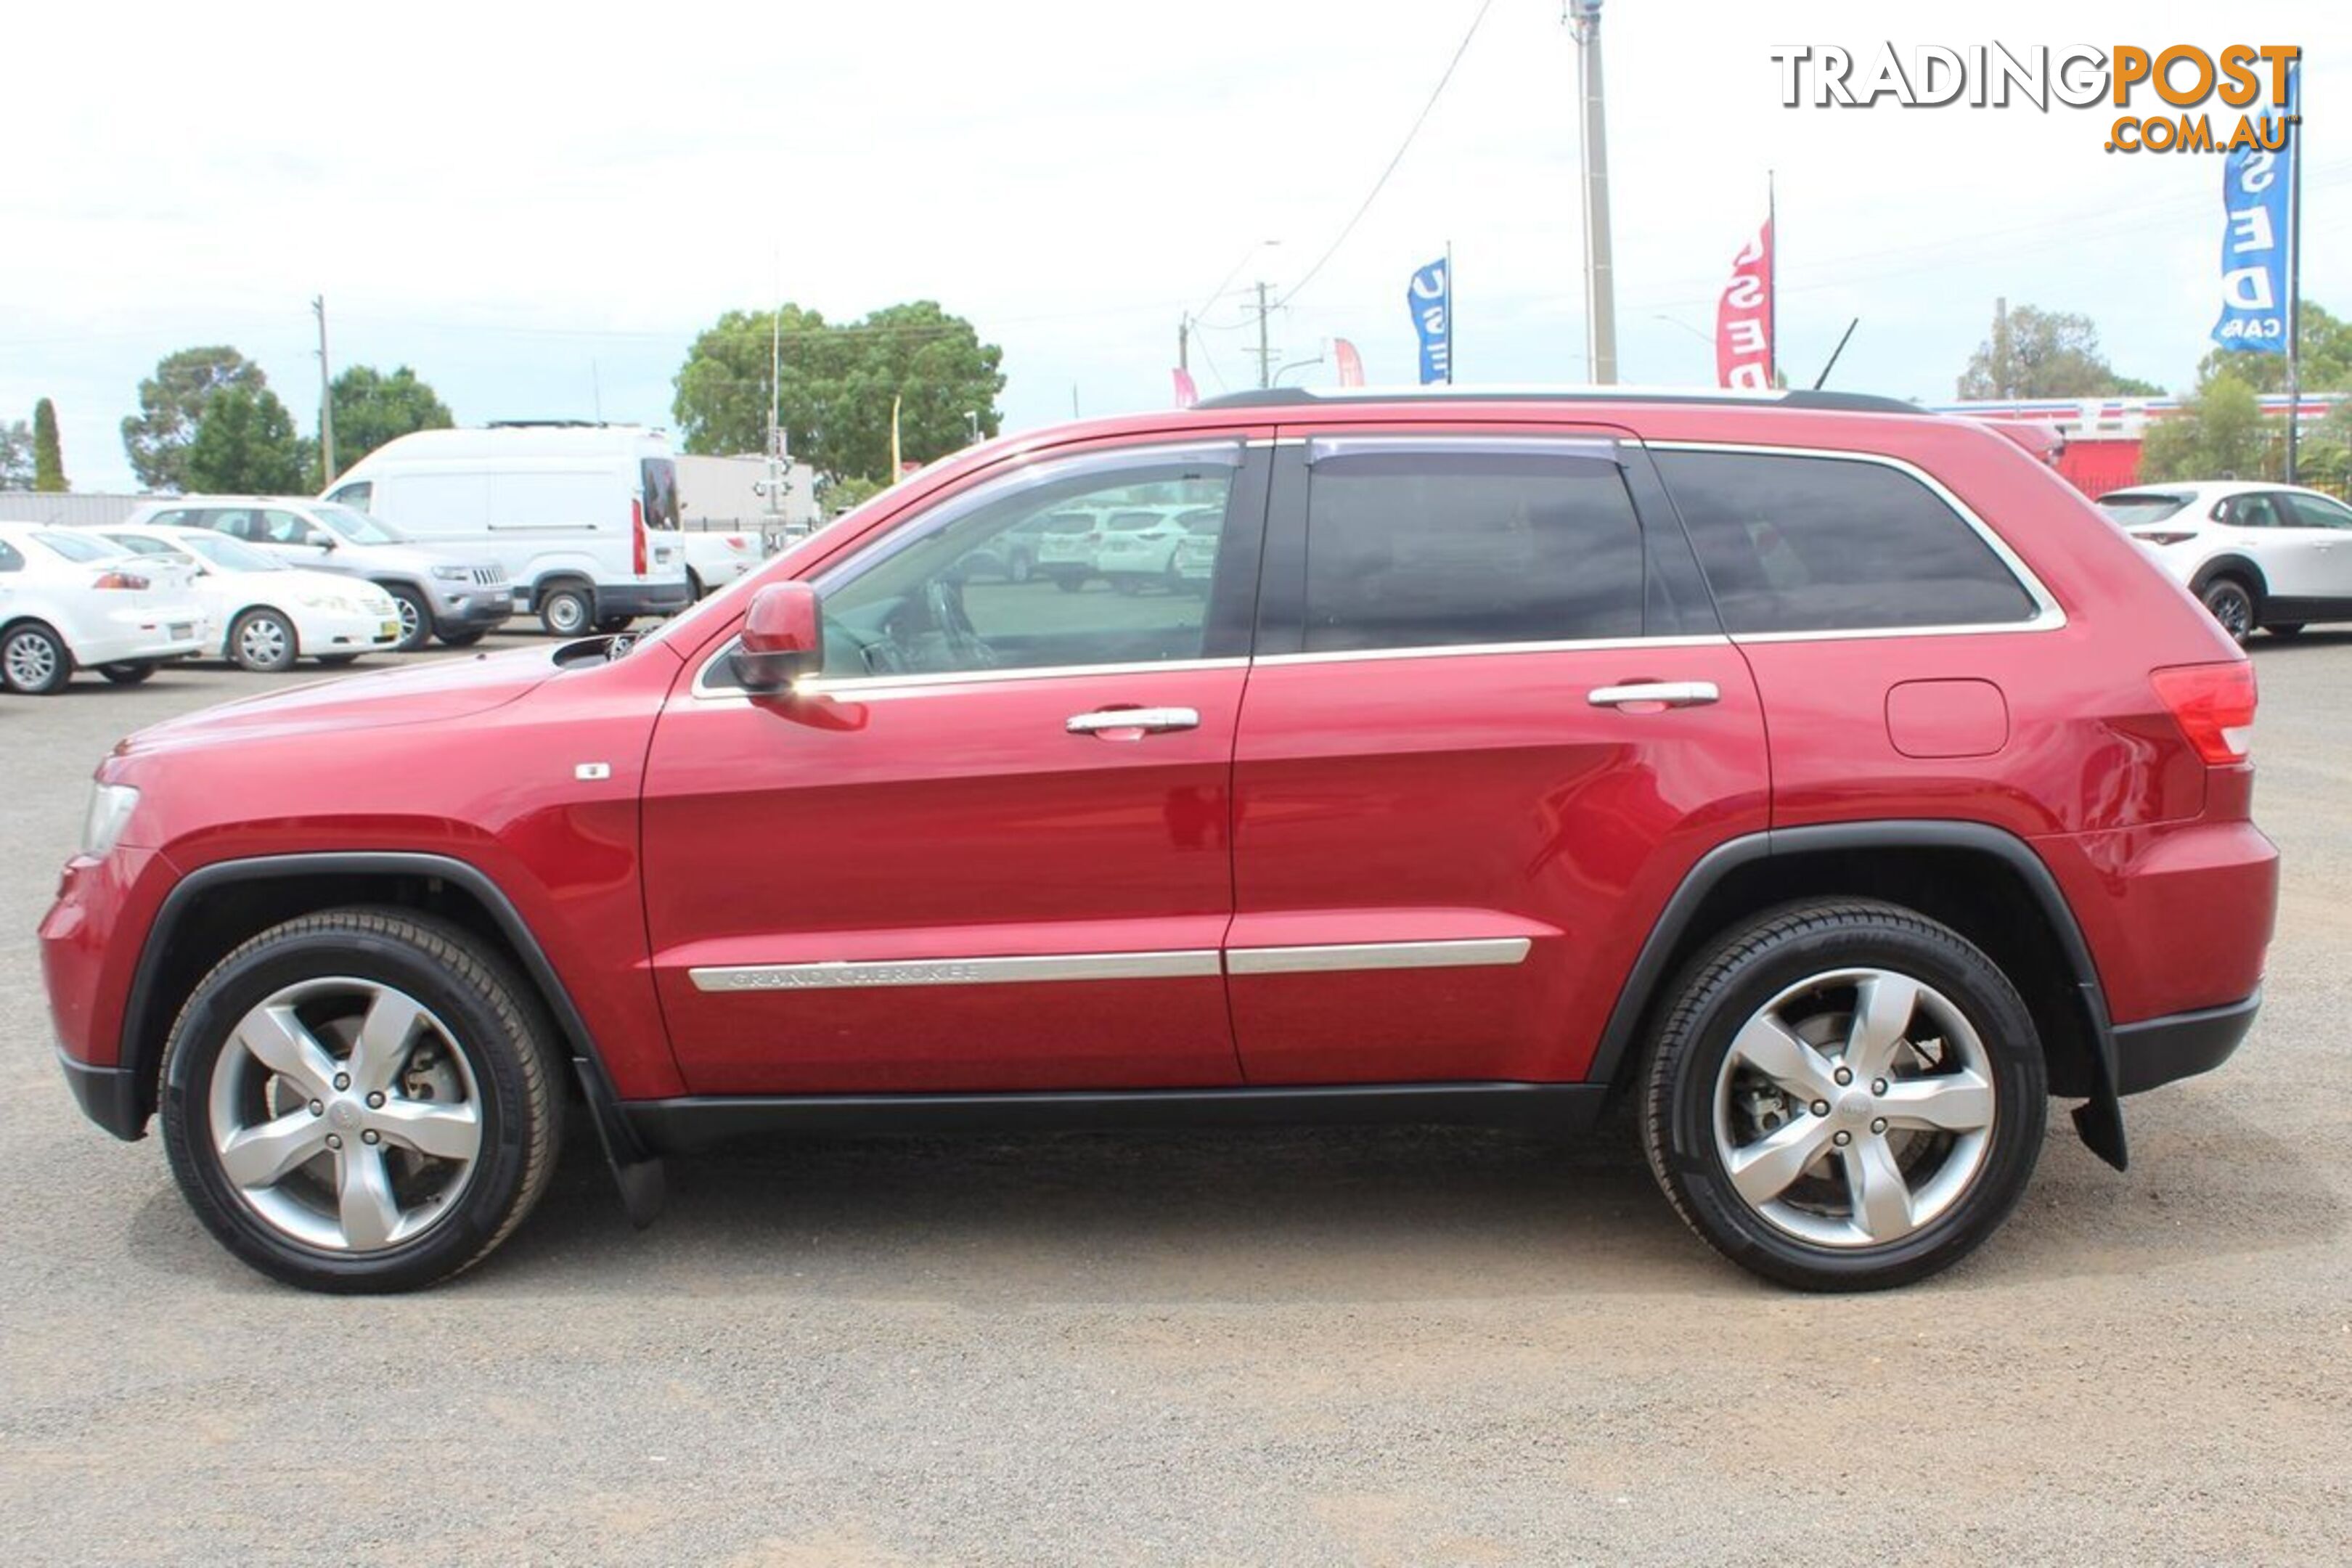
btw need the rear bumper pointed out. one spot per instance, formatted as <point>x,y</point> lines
<point>108,1096</point>
<point>2164,1050</point>
<point>642,598</point>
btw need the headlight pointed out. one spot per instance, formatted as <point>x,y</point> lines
<point>110,806</point>
<point>452,574</point>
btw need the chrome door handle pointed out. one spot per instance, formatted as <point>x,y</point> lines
<point>1145,720</point>
<point>1667,693</point>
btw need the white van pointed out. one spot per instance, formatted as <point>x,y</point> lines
<point>582,517</point>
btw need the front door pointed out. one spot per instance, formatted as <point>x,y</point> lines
<point>989,850</point>
<point>1491,725</point>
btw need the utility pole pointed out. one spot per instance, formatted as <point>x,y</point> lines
<point>773,528</point>
<point>326,398</point>
<point>1583,20</point>
<point>1264,353</point>
<point>2294,290</point>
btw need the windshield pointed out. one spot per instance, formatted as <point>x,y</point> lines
<point>79,546</point>
<point>230,556</point>
<point>356,526</point>
<point>2132,510</point>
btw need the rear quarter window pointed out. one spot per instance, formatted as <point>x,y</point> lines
<point>1794,543</point>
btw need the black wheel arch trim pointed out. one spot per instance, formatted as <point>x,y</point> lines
<point>139,1051</point>
<point>2231,566</point>
<point>2099,1119</point>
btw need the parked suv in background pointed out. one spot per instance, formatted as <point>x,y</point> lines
<point>2258,555</point>
<point>437,593</point>
<point>1824,776</point>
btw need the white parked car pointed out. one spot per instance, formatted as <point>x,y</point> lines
<point>268,614</point>
<point>70,600</point>
<point>715,559</point>
<point>1139,547</point>
<point>2275,557</point>
<point>1066,542</point>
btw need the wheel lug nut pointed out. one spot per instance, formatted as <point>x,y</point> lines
<point>1843,1139</point>
<point>317,1109</point>
<point>1879,1125</point>
<point>1821,1107</point>
<point>342,1080</point>
<point>369,1136</point>
<point>1845,1075</point>
<point>335,1142</point>
<point>375,1101</point>
<point>1878,1086</point>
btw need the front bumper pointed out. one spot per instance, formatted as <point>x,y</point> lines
<point>108,1096</point>
<point>336,631</point>
<point>471,609</point>
<point>2159,1051</point>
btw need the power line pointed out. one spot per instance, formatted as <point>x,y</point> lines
<point>1418,120</point>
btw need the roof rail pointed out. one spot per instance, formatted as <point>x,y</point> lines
<point>1303,396</point>
<point>546,424</point>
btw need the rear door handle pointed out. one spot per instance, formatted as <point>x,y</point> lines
<point>1652,694</point>
<point>1142,721</point>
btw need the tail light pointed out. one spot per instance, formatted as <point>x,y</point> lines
<point>129,580</point>
<point>2214,706</point>
<point>638,537</point>
<point>2162,536</point>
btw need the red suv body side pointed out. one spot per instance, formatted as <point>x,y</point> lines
<point>1416,868</point>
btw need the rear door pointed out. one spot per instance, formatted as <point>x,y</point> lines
<point>2299,564</point>
<point>1491,724</point>
<point>2327,526</point>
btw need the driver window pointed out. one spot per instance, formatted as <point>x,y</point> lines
<point>285,528</point>
<point>1107,565</point>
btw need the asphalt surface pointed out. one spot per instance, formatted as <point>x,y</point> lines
<point>1397,1347</point>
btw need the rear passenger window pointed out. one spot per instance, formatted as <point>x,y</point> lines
<point>1816,544</point>
<point>1435,549</point>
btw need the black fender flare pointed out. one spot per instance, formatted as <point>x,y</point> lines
<point>140,1046</point>
<point>2099,1119</point>
<point>2231,566</point>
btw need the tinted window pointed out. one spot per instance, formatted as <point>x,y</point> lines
<point>2132,510</point>
<point>2315,512</point>
<point>359,496</point>
<point>285,528</point>
<point>661,492</point>
<point>1805,544</point>
<point>79,546</point>
<point>140,545</point>
<point>931,598</point>
<point>1432,549</point>
<point>2254,511</point>
<point>10,561</point>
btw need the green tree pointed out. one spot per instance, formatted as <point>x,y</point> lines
<point>372,408</point>
<point>15,456</point>
<point>49,457</point>
<point>837,385</point>
<point>2218,433</point>
<point>245,445</point>
<point>2045,354</point>
<point>2326,356</point>
<point>171,404</point>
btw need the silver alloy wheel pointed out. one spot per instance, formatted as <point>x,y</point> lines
<point>263,642</point>
<point>411,617</point>
<point>32,660</point>
<point>344,1115</point>
<point>1854,1108</point>
<point>566,613</point>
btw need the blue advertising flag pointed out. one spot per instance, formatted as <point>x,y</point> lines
<point>2254,184</point>
<point>1430,298</point>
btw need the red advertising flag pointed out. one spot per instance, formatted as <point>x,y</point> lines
<point>1187,393</point>
<point>1350,362</point>
<point>1743,319</point>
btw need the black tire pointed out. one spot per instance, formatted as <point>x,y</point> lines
<point>2231,604</point>
<point>263,641</point>
<point>694,588</point>
<point>34,660</point>
<point>1069,585</point>
<point>1731,984</point>
<point>490,1018</point>
<point>2286,629</point>
<point>1020,568</point>
<point>1128,584</point>
<point>415,618</point>
<point>467,638</point>
<point>128,674</point>
<point>567,610</point>
<point>338,660</point>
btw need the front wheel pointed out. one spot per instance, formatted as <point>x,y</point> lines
<point>128,674</point>
<point>1844,1096</point>
<point>415,618</point>
<point>262,641</point>
<point>360,1101</point>
<point>2233,605</point>
<point>566,612</point>
<point>465,638</point>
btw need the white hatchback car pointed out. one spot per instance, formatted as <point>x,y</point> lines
<point>2275,557</point>
<point>69,599</point>
<point>268,614</point>
<point>715,559</point>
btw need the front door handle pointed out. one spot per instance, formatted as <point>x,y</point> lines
<point>1650,696</point>
<point>1125,723</point>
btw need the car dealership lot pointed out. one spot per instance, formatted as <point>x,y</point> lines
<point>1404,1346</point>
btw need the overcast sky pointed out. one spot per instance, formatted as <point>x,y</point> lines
<point>538,208</point>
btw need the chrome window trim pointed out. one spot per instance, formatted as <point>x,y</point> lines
<point>1473,650</point>
<point>2048,615</point>
<point>838,975</point>
<point>1569,447</point>
<point>1333,957</point>
<point>875,687</point>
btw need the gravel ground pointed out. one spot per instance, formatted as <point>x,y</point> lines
<point>1399,1347</point>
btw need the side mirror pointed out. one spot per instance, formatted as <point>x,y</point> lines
<point>783,638</point>
<point>322,539</point>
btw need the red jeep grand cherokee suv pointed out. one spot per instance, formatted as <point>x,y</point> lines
<point>1827,777</point>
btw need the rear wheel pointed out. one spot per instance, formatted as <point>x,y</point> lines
<point>262,640</point>
<point>2232,603</point>
<point>34,660</point>
<point>567,611</point>
<point>1844,1096</point>
<point>415,618</point>
<point>128,674</point>
<point>357,1101</point>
